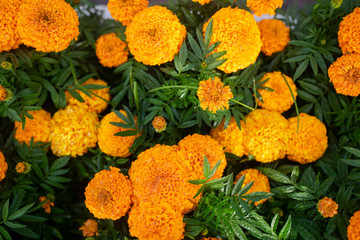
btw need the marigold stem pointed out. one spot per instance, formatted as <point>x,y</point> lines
<point>174,86</point>
<point>242,104</point>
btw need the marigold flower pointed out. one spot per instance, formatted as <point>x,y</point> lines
<point>353,230</point>
<point>260,7</point>
<point>155,35</point>
<point>150,221</point>
<point>47,25</point>
<point>3,93</point>
<point>89,228</point>
<point>9,36</point>
<point>47,206</point>
<point>125,10</point>
<point>3,166</point>
<point>202,2</point>
<point>92,104</point>
<point>23,167</point>
<point>213,95</point>
<point>274,35</point>
<point>37,128</point>
<point>73,130</point>
<point>116,146</point>
<point>327,207</point>
<point>111,50</point>
<point>266,135</point>
<point>196,146</point>
<point>349,32</point>
<point>159,124</point>
<point>309,143</point>
<point>231,138</point>
<point>344,73</point>
<point>279,100</point>
<point>239,35</point>
<point>108,194</point>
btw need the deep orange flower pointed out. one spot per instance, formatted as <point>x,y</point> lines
<point>89,228</point>
<point>260,7</point>
<point>344,73</point>
<point>274,35</point>
<point>23,167</point>
<point>353,230</point>
<point>47,206</point>
<point>125,10</point>
<point>159,124</point>
<point>155,35</point>
<point>47,25</point>
<point>202,2</point>
<point>327,207</point>
<point>213,95</point>
<point>3,166</point>
<point>9,36</point>
<point>111,50</point>
<point>108,194</point>
<point>3,93</point>
<point>349,32</point>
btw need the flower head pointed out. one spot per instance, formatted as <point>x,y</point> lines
<point>23,167</point>
<point>202,2</point>
<point>3,93</point>
<point>274,35</point>
<point>3,166</point>
<point>111,50</point>
<point>47,205</point>
<point>279,100</point>
<point>349,32</point>
<point>260,7</point>
<point>155,35</point>
<point>353,230</point>
<point>73,131</point>
<point>89,228</point>
<point>9,36</point>
<point>213,95</point>
<point>239,36</point>
<point>309,143</point>
<point>125,10</point>
<point>159,124</point>
<point>150,221</point>
<point>108,194</point>
<point>47,25</point>
<point>344,73</point>
<point>327,207</point>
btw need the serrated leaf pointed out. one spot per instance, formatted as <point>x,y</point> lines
<point>207,168</point>
<point>195,46</point>
<point>275,175</point>
<point>285,231</point>
<point>12,224</point>
<point>208,33</point>
<point>27,233</point>
<point>5,233</point>
<point>354,151</point>
<point>302,196</point>
<point>238,186</point>
<point>20,212</point>
<point>126,133</point>
<point>59,163</point>
<point>5,210</point>
<point>275,222</point>
<point>301,69</point>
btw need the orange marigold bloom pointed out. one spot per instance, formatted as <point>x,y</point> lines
<point>274,35</point>
<point>309,143</point>
<point>202,2</point>
<point>266,135</point>
<point>89,228</point>
<point>327,207</point>
<point>260,7</point>
<point>37,128</point>
<point>47,25</point>
<point>111,50</point>
<point>23,167</point>
<point>47,206</point>
<point>3,166</point>
<point>125,10</point>
<point>159,124</point>
<point>92,104</point>
<point>344,73</point>
<point>3,93</point>
<point>230,138</point>
<point>349,32</point>
<point>155,35</point>
<point>116,146</point>
<point>239,35</point>
<point>9,36</point>
<point>353,230</point>
<point>73,131</point>
<point>108,194</point>
<point>213,95</point>
<point>196,146</point>
<point>279,100</point>
<point>150,221</point>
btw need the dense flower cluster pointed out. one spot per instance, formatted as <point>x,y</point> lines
<point>202,2</point>
<point>9,36</point>
<point>279,100</point>
<point>47,25</point>
<point>47,205</point>
<point>3,166</point>
<point>108,194</point>
<point>3,93</point>
<point>353,230</point>
<point>111,50</point>
<point>159,124</point>
<point>125,10</point>
<point>239,35</point>
<point>260,7</point>
<point>327,207</point>
<point>89,228</point>
<point>155,35</point>
<point>349,32</point>
<point>274,35</point>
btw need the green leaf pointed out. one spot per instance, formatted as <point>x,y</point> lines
<point>195,47</point>
<point>320,60</point>
<point>285,231</point>
<point>275,222</point>
<point>215,64</point>
<point>59,163</point>
<point>296,59</point>
<point>275,175</point>
<point>12,114</point>
<point>302,67</point>
<point>76,95</point>
<point>354,151</point>
<point>5,210</point>
<point>306,96</point>
<point>257,196</point>
<point>14,224</point>
<point>314,65</point>
<point>183,53</point>
<point>302,44</point>
<point>126,133</point>
<point>208,33</point>
<point>352,162</point>
<point>20,212</point>
<point>214,169</point>
<point>5,233</point>
<point>238,185</point>
<point>302,196</point>
<point>27,233</point>
<point>295,174</point>
<point>207,168</point>
<point>197,181</point>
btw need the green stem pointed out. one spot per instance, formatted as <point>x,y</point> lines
<point>242,104</point>
<point>296,106</point>
<point>174,86</point>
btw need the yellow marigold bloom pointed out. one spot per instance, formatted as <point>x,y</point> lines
<point>125,10</point>
<point>260,7</point>
<point>47,206</point>
<point>108,194</point>
<point>159,124</point>
<point>327,207</point>
<point>266,135</point>
<point>213,95</point>
<point>23,167</point>
<point>3,93</point>
<point>37,128</point>
<point>202,2</point>
<point>310,142</point>
<point>160,174</point>
<point>93,103</point>
<point>150,221</point>
<point>111,50</point>
<point>9,36</point>
<point>155,35</point>
<point>239,35</point>
<point>47,25</point>
<point>89,228</point>
<point>230,138</point>
<point>116,146</point>
<point>344,73</point>
<point>196,146</point>
<point>274,35</point>
<point>349,32</point>
<point>3,166</point>
<point>353,230</point>
<point>279,100</point>
<point>73,131</point>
